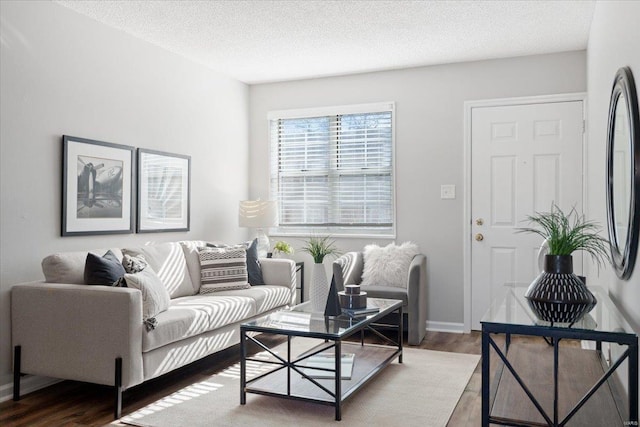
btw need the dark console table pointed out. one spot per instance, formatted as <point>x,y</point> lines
<point>540,381</point>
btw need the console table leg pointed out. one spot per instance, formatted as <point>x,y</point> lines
<point>633,384</point>
<point>17,354</point>
<point>556,343</point>
<point>485,379</point>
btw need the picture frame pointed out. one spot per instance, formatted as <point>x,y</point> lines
<point>164,191</point>
<point>97,187</point>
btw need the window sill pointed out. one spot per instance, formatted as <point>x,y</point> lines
<point>342,235</point>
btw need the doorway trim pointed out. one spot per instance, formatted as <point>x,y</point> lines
<point>500,102</point>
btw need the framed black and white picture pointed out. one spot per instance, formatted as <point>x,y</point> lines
<point>164,181</point>
<point>97,187</point>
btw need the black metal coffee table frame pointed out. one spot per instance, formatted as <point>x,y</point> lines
<point>336,331</point>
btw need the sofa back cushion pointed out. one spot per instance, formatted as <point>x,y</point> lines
<point>190,249</point>
<point>68,267</point>
<point>168,262</point>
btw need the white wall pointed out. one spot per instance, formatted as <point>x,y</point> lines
<point>614,42</point>
<point>429,144</point>
<point>63,73</point>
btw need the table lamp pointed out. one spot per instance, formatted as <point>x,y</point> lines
<point>259,214</point>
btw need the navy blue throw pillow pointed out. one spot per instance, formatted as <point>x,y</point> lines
<point>253,264</point>
<point>106,270</point>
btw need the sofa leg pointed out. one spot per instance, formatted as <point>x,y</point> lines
<point>117,411</point>
<point>17,353</point>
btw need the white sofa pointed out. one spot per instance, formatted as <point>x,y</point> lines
<point>63,328</point>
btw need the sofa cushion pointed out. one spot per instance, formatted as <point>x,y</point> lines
<point>388,266</point>
<point>103,270</point>
<point>68,267</point>
<point>193,315</point>
<point>168,262</point>
<point>223,269</point>
<point>190,249</point>
<point>266,297</point>
<point>155,298</point>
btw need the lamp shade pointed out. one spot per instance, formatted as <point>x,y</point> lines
<point>258,213</point>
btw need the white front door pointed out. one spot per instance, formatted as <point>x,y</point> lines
<point>523,159</point>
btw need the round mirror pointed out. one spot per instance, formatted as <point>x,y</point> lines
<point>623,169</point>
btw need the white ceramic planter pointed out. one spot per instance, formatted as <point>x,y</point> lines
<point>319,288</point>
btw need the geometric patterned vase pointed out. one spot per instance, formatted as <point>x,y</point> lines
<point>557,295</point>
<point>319,288</point>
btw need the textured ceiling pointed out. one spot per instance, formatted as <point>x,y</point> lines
<point>264,41</point>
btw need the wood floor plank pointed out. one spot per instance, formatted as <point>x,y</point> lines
<point>70,403</point>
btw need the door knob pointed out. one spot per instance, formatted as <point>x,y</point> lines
<point>479,237</point>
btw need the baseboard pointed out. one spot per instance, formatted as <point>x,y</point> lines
<point>28,384</point>
<point>456,328</point>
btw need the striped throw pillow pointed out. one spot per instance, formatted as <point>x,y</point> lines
<point>223,269</point>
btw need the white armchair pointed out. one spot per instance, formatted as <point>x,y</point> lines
<point>347,270</point>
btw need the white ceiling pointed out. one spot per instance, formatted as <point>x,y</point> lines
<point>264,41</point>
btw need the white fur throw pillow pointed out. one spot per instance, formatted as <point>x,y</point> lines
<point>388,266</point>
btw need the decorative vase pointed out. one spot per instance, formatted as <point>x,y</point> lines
<point>319,288</point>
<point>557,295</point>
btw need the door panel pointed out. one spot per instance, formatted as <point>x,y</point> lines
<point>523,159</point>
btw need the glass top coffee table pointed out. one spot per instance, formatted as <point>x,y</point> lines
<point>317,364</point>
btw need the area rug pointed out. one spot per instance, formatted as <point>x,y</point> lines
<point>422,391</point>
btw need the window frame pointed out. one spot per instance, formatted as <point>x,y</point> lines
<point>336,231</point>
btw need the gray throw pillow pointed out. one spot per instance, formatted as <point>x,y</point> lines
<point>155,298</point>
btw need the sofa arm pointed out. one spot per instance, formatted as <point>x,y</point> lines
<point>77,331</point>
<point>347,269</point>
<point>280,271</point>
<point>417,297</point>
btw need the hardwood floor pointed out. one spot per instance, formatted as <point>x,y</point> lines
<point>70,403</point>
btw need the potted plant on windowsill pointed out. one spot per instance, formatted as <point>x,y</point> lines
<point>319,248</point>
<point>558,295</point>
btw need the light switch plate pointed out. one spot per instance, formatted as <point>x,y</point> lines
<point>448,191</point>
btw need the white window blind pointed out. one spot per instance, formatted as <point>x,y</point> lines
<point>334,172</point>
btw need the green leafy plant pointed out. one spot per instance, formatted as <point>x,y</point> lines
<point>320,247</point>
<point>282,247</point>
<point>566,233</point>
